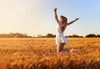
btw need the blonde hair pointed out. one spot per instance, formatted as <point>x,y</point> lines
<point>63,26</point>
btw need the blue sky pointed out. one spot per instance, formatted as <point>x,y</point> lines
<point>35,17</point>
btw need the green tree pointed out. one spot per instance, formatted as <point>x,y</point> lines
<point>91,35</point>
<point>98,35</point>
<point>50,35</point>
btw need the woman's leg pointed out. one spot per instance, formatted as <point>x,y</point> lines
<point>62,46</point>
<point>72,50</point>
<point>58,48</point>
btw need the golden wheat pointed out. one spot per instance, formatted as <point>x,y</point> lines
<point>40,53</point>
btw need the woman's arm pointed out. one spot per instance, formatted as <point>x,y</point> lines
<point>72,21</point>
<point>56,17</point>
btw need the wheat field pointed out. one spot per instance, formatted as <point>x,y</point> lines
<point>40,53</point>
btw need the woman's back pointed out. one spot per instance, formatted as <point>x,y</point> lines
<point>58,28</point>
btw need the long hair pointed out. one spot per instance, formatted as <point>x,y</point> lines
<point>63,26</point>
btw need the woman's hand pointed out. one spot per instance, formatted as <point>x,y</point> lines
<point>55,9</point>
<point>76,19</point>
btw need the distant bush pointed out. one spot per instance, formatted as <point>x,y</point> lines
<point>98,35</point>
<point>14,35</point>
<point>91,35</point>
<point>50,35</point>
<point>74,35</point>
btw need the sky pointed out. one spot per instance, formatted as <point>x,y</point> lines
<point>36,17</point>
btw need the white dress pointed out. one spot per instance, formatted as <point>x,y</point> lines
<point>59,35</point>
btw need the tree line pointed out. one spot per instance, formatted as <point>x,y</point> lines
<point>14,35</point>
<point>74,35</point>
<point>48,35</point>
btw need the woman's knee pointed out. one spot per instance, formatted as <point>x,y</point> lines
<point>62,44</point>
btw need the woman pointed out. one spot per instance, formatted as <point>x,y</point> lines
<point>60,28</point>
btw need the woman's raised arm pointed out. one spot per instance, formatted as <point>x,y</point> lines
<point>56,17</point>
<point>72,21</point>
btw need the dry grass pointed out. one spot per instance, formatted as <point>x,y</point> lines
<point>40,53</point>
